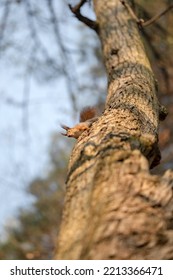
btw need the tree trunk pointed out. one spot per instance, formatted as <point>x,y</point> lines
<point>114,208</point>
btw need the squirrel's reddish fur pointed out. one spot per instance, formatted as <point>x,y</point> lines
<point>87,117</point>
<point>87,113</point>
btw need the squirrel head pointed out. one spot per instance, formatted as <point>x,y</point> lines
<point>75,131</point>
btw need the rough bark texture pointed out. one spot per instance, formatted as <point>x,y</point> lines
<point>114,208</point>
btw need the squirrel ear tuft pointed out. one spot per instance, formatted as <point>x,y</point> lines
<point>65,127</point>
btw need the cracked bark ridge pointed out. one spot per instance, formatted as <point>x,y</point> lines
<point>131,83</point>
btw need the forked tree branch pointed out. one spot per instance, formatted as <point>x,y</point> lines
<point>76,11</point>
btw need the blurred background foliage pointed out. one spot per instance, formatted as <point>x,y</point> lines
<point>32,43</point>
<point>34,233</point>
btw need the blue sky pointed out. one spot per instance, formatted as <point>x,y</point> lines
<point>24,151</point>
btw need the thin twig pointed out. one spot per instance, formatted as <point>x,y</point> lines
<point>70,75</point>
<point>34,35</point>
<point>140,21</point>
<point>3,23</point>
<point>76,11</point>
<point>131,12</point>
<point>156,17</point>
<point>147,15</point>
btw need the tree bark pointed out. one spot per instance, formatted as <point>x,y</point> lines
<point>114,208</point>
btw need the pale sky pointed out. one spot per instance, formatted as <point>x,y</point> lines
<point>24,152</point>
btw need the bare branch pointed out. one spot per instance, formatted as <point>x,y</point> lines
<point>35,37</point>
<point>156,17</point>
<point>131,12</point>
<point>4,19</point>
<point>140,21</point>
<point>147,15</point>
<point>76,11</point>
<point>69,74</point>
<point>78,6</point>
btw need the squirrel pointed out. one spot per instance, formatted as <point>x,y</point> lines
<point>87,116</point>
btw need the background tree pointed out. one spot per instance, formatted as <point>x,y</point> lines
<point>35,231</point>
<point>109,186</point>
<point>41,94</point>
